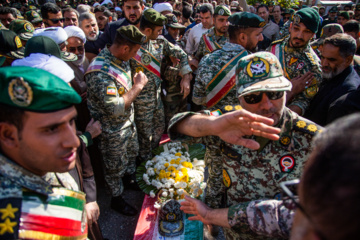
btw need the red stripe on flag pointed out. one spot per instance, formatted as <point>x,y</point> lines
<point>273,49</point>
<point>228,86</point>
<point>150,68</point>
<point>52,225</point>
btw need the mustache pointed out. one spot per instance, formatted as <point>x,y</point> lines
<point>267,112</point>
<point>300,39</point>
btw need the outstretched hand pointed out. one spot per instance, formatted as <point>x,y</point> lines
<point>195,207</point>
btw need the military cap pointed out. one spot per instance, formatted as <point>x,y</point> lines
<point>132,34</point>
<point>18,14</point>
<point>333,9</point>
<point>154,17</point>
<point>344,14</point>
<point>45,45</point>
<point>294,6</point>
<point>22,28</point>
<point>173,22</point>
<point>35,90</point>
<point>32,7</point>
<point>33,17</point>
<point>271,3</point>
<point>10,44</point>
<point>246,19</point>
<point>222,10</point>
<point>321,7</point>
<point>327,31</point>
<point>315,7</point>
<point>286,11</point>
<point>260,72</point>
<point>309,17</point>
<point>171,219</point>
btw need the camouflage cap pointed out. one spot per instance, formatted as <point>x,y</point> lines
<point>154,17</point>
<point>33,16</point>
<point>222,10</point>
<point>173,22</point>
<point>132,34</point>
<point>327,31</point>
<point>260,72</point>
<point>171,219</point>
<point>246,19</point>
<point>309,17</point>
<point>36,90</point>
<point>333,9</point>
<point>344,14</point>
<point>10,44</point>
<point>22,28</point>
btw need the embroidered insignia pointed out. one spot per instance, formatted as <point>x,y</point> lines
<point>300,65</point>
<point>285,140</point>
<point>221,12</point>
<point>296,19</point>
<point>293,60</point>
<point>20,92</point>
<point>111,91</point>
<point>10,210</point>
<point>18,42</point>
<point>238,107</point>
<point>145,59</point>
<point>226,179</point>
<point>228,108</point>
<point>174,19</point>
<point>121,91</point>
<point>287,163</point>
<point>258,68</point>
<point>262,24</point>
<point>139,69</point>
<point>28,27</point>
<point>312,90</point>
<point>311,128</point>
<point>301,124</point>
<point>34,14</point>
<point>230,153</point>
<point>217,112</point>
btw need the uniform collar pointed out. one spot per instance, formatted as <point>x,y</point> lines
<point>112,57</point>
<point>232,47</point>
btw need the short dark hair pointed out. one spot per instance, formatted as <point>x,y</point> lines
<point>234,31</point>
<point>120,40</point>
<point>146,24</point>
<point>49,8</point>
<point>141,2</point>
<point>70,9</point>
<point>12,115</point>
<point>187,11</point>
<point>207,7</point>
<point>345,43</point>
<point>262,6</point>
<point>6,10</point>
<point>330,185</point>
<point>177,13</point>
<point>352,26</point>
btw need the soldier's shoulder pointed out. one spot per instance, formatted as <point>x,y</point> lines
<point>305,126</point>
<point>225,109</point>
<point>312,56</point>
<point>276,42</point>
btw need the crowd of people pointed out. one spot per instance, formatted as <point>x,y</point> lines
<point>89,89</point>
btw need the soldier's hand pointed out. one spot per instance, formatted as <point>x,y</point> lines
<point>300,83</point>
<point>94,128</point>
<point>140,79</point>
<point>195,207</point>
<point>185,84</point>
<point>92,212</point>
<point>193,62</point>
<point>232,127</point>
<point>175,61</point>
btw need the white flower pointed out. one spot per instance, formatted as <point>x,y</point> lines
<point>177,185</point>
<point>164,194</point>
<point>180,191</point>
<point>152,194</point>
<point>157,205</point>
<point>150,172</point>
<point>203,185</point>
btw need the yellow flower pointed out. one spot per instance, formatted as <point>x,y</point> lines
<point>166,164</point>
<point>178,154</point>
<point>162,171</point>
<point>177,161</point>
<point>190,165</point>
<point>184,164</point>
<point>301,124</point>
<point>172,161</point>
<point>171,168</point>
<point>185,178</point>
<point>155,169</point>
<point>184,170</point>
<point>168,174</point>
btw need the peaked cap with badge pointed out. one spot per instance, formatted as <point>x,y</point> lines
<point>246,19</point>
<point>154,17</point>
<point>33,17</point>
<point>173,22</point>
<point>171,219</point>
<point>10,44</point>
<point>24,29</point>
<point>132,33</point>
<point>222,10</point>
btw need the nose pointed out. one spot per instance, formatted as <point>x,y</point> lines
<point>265,103</point>
<point>70,140</point>
<point>261,37</point>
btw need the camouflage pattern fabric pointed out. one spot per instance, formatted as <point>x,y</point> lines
<point>284,30</point>
<point>209,66</point>
<point>149,109</point>
<point>296,62</point>
<point>203,50</point>
<point>61,180</point>
<point>250,175</point>
<point>118,141</point>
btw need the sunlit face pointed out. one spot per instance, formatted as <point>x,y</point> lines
<point>6,19</point>
<point>90,28</point>
<point>300,35</point>
<point>263,13</point>
<point>155,33</point>
<point>101,20</point>
<point>54,20</point>
<point>70,19</point>
<point>253,38</point>
<point>174,33</point>
<point>133,11</point>
<point>206,19</point>
<point>221,24</point>
<point>131,52</point>
<point>332,63</point>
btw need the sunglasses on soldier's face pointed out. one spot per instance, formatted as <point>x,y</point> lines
<point>257,97</point>
<point>57,20</point>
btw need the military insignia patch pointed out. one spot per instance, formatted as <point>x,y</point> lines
<point>292,61</point>
<point>111,91</point>
<point>145,59</point>
<point>20,92</point>
<point>301,124</point>
<point>34,14</point>
<point>226,178</point>
<point>300,65</point>
<point>262,24</point>
<point>28,27</point>
<point>174,19</point>
<point>296,19</point>
<point>18,42</point>
<point>221,12</point>
<point>217,112</point>
<point>121,91</point>
<point>285,140</point>
<point>230,153</point>
<point>312,90</point>
<point>287,163</point>
<point>258,68</point>
<point>10,209</point>
<point>228,108</point>
<point>238,107</point>
<point>139,69</point>
<point>312,128</point>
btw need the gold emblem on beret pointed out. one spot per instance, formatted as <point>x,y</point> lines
<point>174,19</point>
<point>145,59</point>
<point>18,42</point>
<point>228,108</point>
<point>312,128</point>
<point>221,12</point>
<point>301,124</point>
<point>121,91</point>
<point>262,24</point>
<point>139,69</point>
<point>28,27</point>
<point>238,107</point>
<point>258,68</point>
<point>34,14</point>
<point>20,92</point>
<point>296,19</point>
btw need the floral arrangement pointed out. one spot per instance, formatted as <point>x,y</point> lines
<point>173,172</point>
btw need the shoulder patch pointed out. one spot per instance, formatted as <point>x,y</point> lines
<point>305,126</point>
<point>10,210</point>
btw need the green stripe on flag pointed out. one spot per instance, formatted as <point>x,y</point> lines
<point>58,200</point>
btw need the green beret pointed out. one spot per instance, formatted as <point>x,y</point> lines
<point>246,19</point>
<point>33,16</point>
<point>260,72</point>
<point>222,10</point>
<point>154,17</point>
<point>309,17</point>
<point>35,90</point>
<point>315,7</point>
<point>18,14</point>
<point>132,34</point>
<point>22,28</point>
<point>345,14</point>
<point>10,44</point>
<point>286,11</point>
<point>173,22</point>
<point>32,7</point>
<point>333,9</point>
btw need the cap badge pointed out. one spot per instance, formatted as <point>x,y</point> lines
<point>34,14</point>
<point>285,140</point>
<point>145,59</point>
<point>139,69</point>
<point>258,68</point>
<point>20,92</point>
<point>300,65</point>
<point>18,42</point>
<point>121,90</point>
<point>262,24</point>
<point>292,61</point>
<point>28,27</point>
<point>296,19</point>
<point>221,12</point>
<point>287,163</point>
<point>174,19</point>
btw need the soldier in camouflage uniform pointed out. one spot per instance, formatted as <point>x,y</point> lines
<point>299,61</point>
<point>38,138</point>
<point>149,109</point>
<point>110,95</point>
<point>255,173</point>
<point>284,30</point>
<point>212,97</point>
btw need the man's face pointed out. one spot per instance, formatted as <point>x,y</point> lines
<point>332,15</point>
<point>133,11</point>
<point>174,33</point>
<point>48,141</point>
<point>76,46</point>
<point>221,24</point>
<point>271,8</point>
<point>341,20</point>
<point>322,11</point>
<point>263,13</point>
<point>206,19</point>
<point>90,28</point>
<point>253,38</point>
<point>299,35</point>
<point>286,17</point>
<point>70,19</point>
<point>101,20</point>
<point>197,18</point>
<point>268,108</point>
<point>277,12</point>
<point>155,33</point>
<point>54,20</point>
<point>332,63</point>
<point>6,19</point>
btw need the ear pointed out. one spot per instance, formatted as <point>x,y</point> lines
<point>9,136</point>
<point>349,60</point>
<point>242,39</point>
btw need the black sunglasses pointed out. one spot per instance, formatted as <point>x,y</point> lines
<point>57,20</point>
<point>257,97</point>
<point>73,49</point>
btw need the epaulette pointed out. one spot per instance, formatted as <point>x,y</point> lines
<point>10,209</point>
<point>225,109</point>
<point>277,41</point>
<point>304,125</point>
<point>311,57</point>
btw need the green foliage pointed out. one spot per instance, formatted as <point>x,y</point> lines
<point>282,3</point>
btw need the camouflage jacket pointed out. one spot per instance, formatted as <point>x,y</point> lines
<point>104,93</point>
<point>219,41</point>
<point>296,62</point>
<point>284,30</point>
<point>250,175</point>
<point>209,66</point>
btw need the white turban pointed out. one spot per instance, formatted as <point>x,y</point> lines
<point>160,7</point>
<point>73,31</point>
<point>57,34</point>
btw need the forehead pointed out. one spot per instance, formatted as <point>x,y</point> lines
<point>207,14</point>
<point>70,14</point>
<point>6,15</point>
<point>132,4</point>
<point>53,15</point>
<point>330,51</point>
<point>300,25</point>
<point>262,9</point>
<point>89,21</point>
<point>74,41</point>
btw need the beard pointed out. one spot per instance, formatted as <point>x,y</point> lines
<point>133,22</point>
<point>332,72</point>
<point>93,38</point>
<point>80,60</point>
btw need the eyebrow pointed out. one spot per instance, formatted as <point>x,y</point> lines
<point>53,125</point>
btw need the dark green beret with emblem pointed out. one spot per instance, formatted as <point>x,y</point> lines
<point>271,3</point>
<point>309,17</point>
<point>22,28</point>
<point>132,34</point>
<point>260,72</point>
<point>154,17</point>
<point>246,19</point>
<point>344,14</point>
<point>222,11</point>
<point>35,90</point>
<point>333,9</point>
<point>10,44</point>
<point>33,16</point>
